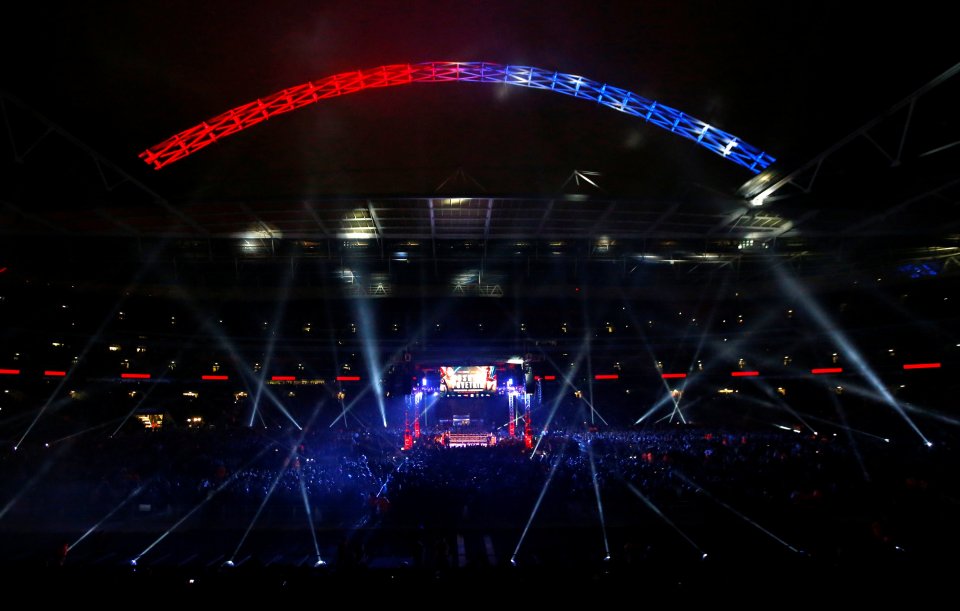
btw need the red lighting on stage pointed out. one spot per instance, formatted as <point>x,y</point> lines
<point>283,378</point>
<point>669,376</point>
<point>549,378</point>
<point>821,370</point>
<point>348,378</point>
<point>9,372</point>
<point>407,437</point>
<point>212,378</point>
<point>527,431</point>
<point>744,374</point>
<point>55,374</point>
<point>921,365</point>
<point>607,376</point>
<point>135,376</point>
<point>2,269</point>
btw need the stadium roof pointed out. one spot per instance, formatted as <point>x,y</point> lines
<point>857,109</point>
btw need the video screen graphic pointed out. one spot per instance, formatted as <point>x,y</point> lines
<point>469,380</point>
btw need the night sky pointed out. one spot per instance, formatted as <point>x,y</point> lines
<point>791,78</point>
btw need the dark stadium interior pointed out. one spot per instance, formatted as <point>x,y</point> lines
<point>667,371</point>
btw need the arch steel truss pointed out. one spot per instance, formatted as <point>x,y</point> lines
<point>247,115</point>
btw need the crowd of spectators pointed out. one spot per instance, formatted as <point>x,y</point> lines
<point>821,494</point>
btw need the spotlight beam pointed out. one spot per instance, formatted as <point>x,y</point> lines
<point>773,396</point>
<point>851,429</point>
<point>386,480</point>
<point>32,412</point>
<point>596,490</point>
<point>791,286</point>
<point>567,382</point>
<point>586,340</point>
<point>655,407</point>
<point>853,442</point>
<point>931,414</point>
<point>429,403</point>
<point>199,505</point>
<point>377,374</point>
<point>710,318</point>
<point>775,407</point>
<point>273,485</point>
<point>868,394</point>
<point>536,507</point>
<point>737,513</point>
<point>696,355</point>
<point>136,406</point>
<point>47,464</point>
<point>593,411</point>
<point>349,406</point>
<point>119,506</point>
<point>370,354</point>
<point>663,517</point>
<point>566,378</point>
<point>272,398</point>
<point>306,505</point>
<point>676,410</point>
<point>84,431</point>
<point>246,377</point>
<point>363,392</point>
<point>271,343</point>
<point>150,260</point>
<point>653,360</point>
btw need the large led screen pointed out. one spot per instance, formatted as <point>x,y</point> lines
<point>469,380</point>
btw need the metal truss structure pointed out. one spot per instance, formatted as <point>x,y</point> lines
<point>887,135</point>
<point>891,188</point>
<point>247,115</point>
